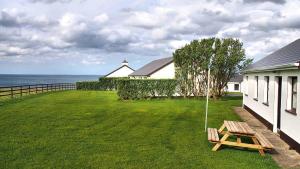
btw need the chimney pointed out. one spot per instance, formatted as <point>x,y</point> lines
<point>125,62</point>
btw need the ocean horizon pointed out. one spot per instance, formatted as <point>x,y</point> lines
<point>31,79</point>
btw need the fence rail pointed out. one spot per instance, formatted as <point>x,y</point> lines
<point>14,91</point>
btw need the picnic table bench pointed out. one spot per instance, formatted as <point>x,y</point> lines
<point>238,129</point>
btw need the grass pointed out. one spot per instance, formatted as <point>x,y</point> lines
<point>234,93</point>
<point>90,129</point>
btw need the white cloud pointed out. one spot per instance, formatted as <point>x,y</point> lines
<point>149,29</point>
<point>102,18</point>
<point>92,60</point>
<point>178,43</point>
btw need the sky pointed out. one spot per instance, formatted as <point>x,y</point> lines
<point>95,36</point>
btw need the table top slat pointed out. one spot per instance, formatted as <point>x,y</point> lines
<point>227,125</point>
<point>238,127</point>
<point>249,129</point>
<point>242,129</point>
<point>231,126</point>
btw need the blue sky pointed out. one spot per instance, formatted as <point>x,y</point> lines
<point>95,36</point>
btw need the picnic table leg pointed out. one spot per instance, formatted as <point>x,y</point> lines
<point>239,139</point>
<point>221,128</point>
<point>261,151</point>
<point>218,145</point>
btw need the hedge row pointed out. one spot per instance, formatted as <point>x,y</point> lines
<point>103,84</point>
<point>146,88</point>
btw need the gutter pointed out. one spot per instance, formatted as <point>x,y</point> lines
<point>298,64</point>
<point>290,66</point>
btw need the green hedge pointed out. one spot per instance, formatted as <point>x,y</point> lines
<point>146,88</point>
<point>104,83</point>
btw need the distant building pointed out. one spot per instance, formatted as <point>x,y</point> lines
<point>157,69</point>
<point>271,92</point>
<point>123,71</point>
<point>235,84</point>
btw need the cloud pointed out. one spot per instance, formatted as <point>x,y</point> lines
<point>145,30</point>
<point>16,18</point>
<point>92,60</point>
<point>83,33</point>
<point>49,1</point>
<point>102,18</point>
<point>260,1</point>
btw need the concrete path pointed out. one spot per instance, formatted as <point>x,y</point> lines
<point>283,155</point>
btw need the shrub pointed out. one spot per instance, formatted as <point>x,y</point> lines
<point>146,88</point>
<point>104,83</point>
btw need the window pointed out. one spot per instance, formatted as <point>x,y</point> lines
<point>294,94</point>
<point>256,88</point>
<point>236,87</point>
<point>266,90</point>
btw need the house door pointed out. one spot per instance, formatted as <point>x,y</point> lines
<point>279,81</point>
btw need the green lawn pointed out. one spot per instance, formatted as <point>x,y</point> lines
<point>89,129</point>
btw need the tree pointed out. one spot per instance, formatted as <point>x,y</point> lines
<point>192,62</point>
<point>229,59</point>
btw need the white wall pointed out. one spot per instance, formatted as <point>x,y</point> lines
<point>230,87</point>
<point>123,72</point>
<point>167,72</point>
<point>290,124</point>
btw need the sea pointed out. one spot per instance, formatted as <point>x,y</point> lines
<point>23,79</point>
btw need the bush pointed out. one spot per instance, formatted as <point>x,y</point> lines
<point>104,83</point>
<point>146,88</point>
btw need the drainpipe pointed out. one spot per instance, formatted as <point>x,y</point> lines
<point>298,64</point>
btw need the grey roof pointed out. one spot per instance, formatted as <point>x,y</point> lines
<point>152,67</point>
<point>237,78</point>
<point>289,54</point>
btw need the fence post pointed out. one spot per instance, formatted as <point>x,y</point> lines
<point>11,92</point>
<point>21,91</point>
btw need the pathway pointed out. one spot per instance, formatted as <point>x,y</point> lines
<point>283,155</point>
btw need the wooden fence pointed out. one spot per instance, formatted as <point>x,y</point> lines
<point>19,91</point>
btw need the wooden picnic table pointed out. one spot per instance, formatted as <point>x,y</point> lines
<point>238,129</point>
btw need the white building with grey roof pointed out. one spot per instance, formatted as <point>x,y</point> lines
<point>271,92</point>
<point>157,69</point>
<point>235,84</point>
<point>123,71</point>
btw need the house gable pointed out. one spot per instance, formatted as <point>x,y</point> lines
<point>122,71</point>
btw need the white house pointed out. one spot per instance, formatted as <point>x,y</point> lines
<point>235,84</point>
<point>271,92</point>
<point>157,69</point>
<point>123,71</point>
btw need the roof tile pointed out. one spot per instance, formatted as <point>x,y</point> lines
<point>289,54</point>
<point>152,67</point>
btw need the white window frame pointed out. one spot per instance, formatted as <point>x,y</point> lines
<point>237,87</point>
<point>266,90</point>
<point>256,78</point>
<point>292,80</point>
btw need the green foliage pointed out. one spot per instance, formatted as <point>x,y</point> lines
<point>146,88</point>
<point>104,83</point>
<point>191,64</point>
<point>193,60</point>
<point>229,59</point>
